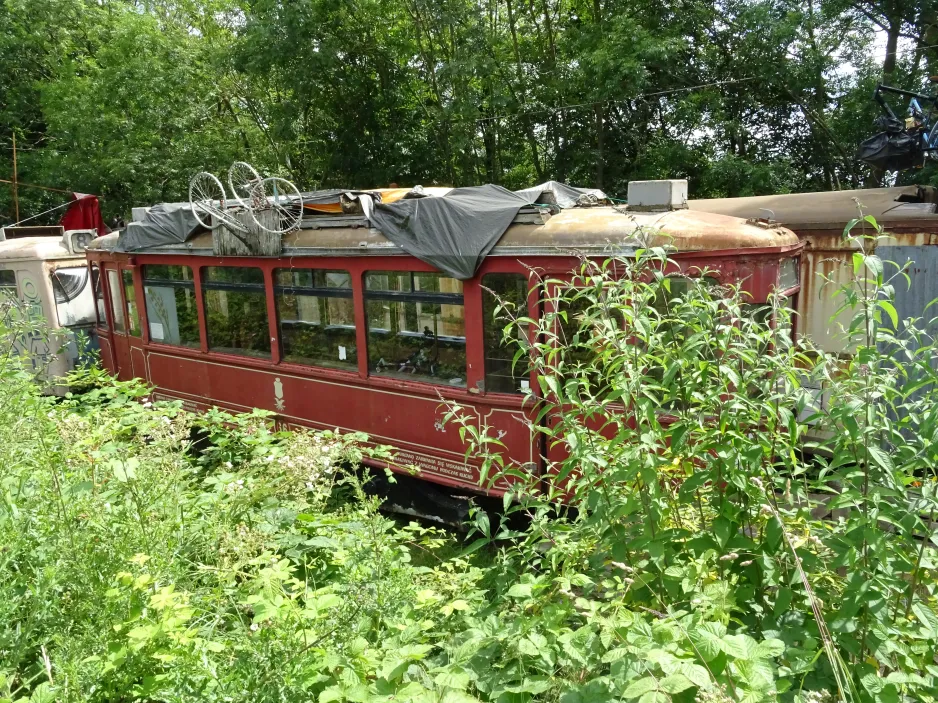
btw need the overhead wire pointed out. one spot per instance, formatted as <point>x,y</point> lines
<point>592,103</point>
<point>44,212</point>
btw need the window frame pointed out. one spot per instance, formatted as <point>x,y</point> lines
<point>98,287</point>
<point>317,292</point>
<point>190,284</point>
<point>378,267</point>
<point>132,314</point>
<point>524,380</point>
<point>122,329</point>
<point>271,355</point>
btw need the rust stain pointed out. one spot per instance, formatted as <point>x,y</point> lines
<point>597,227</point>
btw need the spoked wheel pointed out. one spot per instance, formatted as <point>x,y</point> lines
<point>281,196</point>
<point>209,204</point>
<point>207,200</point>
<point>245,181</point>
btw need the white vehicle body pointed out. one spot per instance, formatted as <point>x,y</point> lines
<point>50,276</point>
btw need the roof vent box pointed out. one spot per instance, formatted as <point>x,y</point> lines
<point>652,196</point>
<point>77,240</point>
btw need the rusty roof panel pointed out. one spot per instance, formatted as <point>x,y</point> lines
<point>832,209</point>
<point>589,229</point>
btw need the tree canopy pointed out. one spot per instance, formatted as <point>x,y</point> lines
<point>128,98</point>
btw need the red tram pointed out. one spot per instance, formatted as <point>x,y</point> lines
<point>346,330</point>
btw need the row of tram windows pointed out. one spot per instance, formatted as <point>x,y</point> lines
<point>415,322</point>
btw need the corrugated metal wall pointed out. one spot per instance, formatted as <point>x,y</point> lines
<point>911,300</point>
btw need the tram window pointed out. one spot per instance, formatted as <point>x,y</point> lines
<point>680,286</point>
<point>416,326</point>
<point>759,313</point>
<point>98,286</point>
<point>74,303</point>
<point>316,317</point>
<point>169,294</point>
<point>501,374</point>
<point>133,316</point>
<point>7,285</point>
<point>117,308</point>
<point>236,310</point>
<point>788,273</point>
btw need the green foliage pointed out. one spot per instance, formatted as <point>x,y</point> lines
<point>787,544</point>
<point>128,99</point>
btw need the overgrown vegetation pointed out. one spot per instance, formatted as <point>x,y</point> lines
<point>684,547</point>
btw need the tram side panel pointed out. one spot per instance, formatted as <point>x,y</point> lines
<point>412,423</point>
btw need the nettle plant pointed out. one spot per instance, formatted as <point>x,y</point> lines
<point>693,474</point>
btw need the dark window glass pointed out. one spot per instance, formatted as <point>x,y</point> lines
<point>316,317</point>
<point>679,285</point>
<point>236,310</point>
<point>133,315</point>
<point>7,284</point>
<point>416,327</point>
<point>169,293</point>
<point>501,374</point>
<point>760,313</point>
<point>98,285</point>
<point>117,307</point>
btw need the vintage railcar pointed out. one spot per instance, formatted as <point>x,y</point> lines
<point>909,215</point>
<point>346,330</point>
<point>44,268</point>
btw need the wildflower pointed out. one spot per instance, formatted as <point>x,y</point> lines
<point>748,562</point>
<point>254,627</point>
<point>756,482</point>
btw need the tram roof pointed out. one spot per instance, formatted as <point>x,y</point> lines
<point>35,249</point>
<point>831,209</point>
<point>591,230</point>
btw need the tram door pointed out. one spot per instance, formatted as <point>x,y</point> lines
<point>120,347</point>
<point>137,367</point>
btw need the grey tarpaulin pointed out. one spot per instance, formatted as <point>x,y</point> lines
<point>566,196</point>
<point>166,223</point>
<point>453,232</point>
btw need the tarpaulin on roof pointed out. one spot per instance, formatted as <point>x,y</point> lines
<point>166,223</point>
<point>84,213</point>
<point>453,232</point>
<point>566,196</point>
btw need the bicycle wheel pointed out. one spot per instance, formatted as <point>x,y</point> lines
<point>207,200</point>
<point>243,179</point>
<point>284,198</point>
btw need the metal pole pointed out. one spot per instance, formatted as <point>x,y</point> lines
<point>16,199</point>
